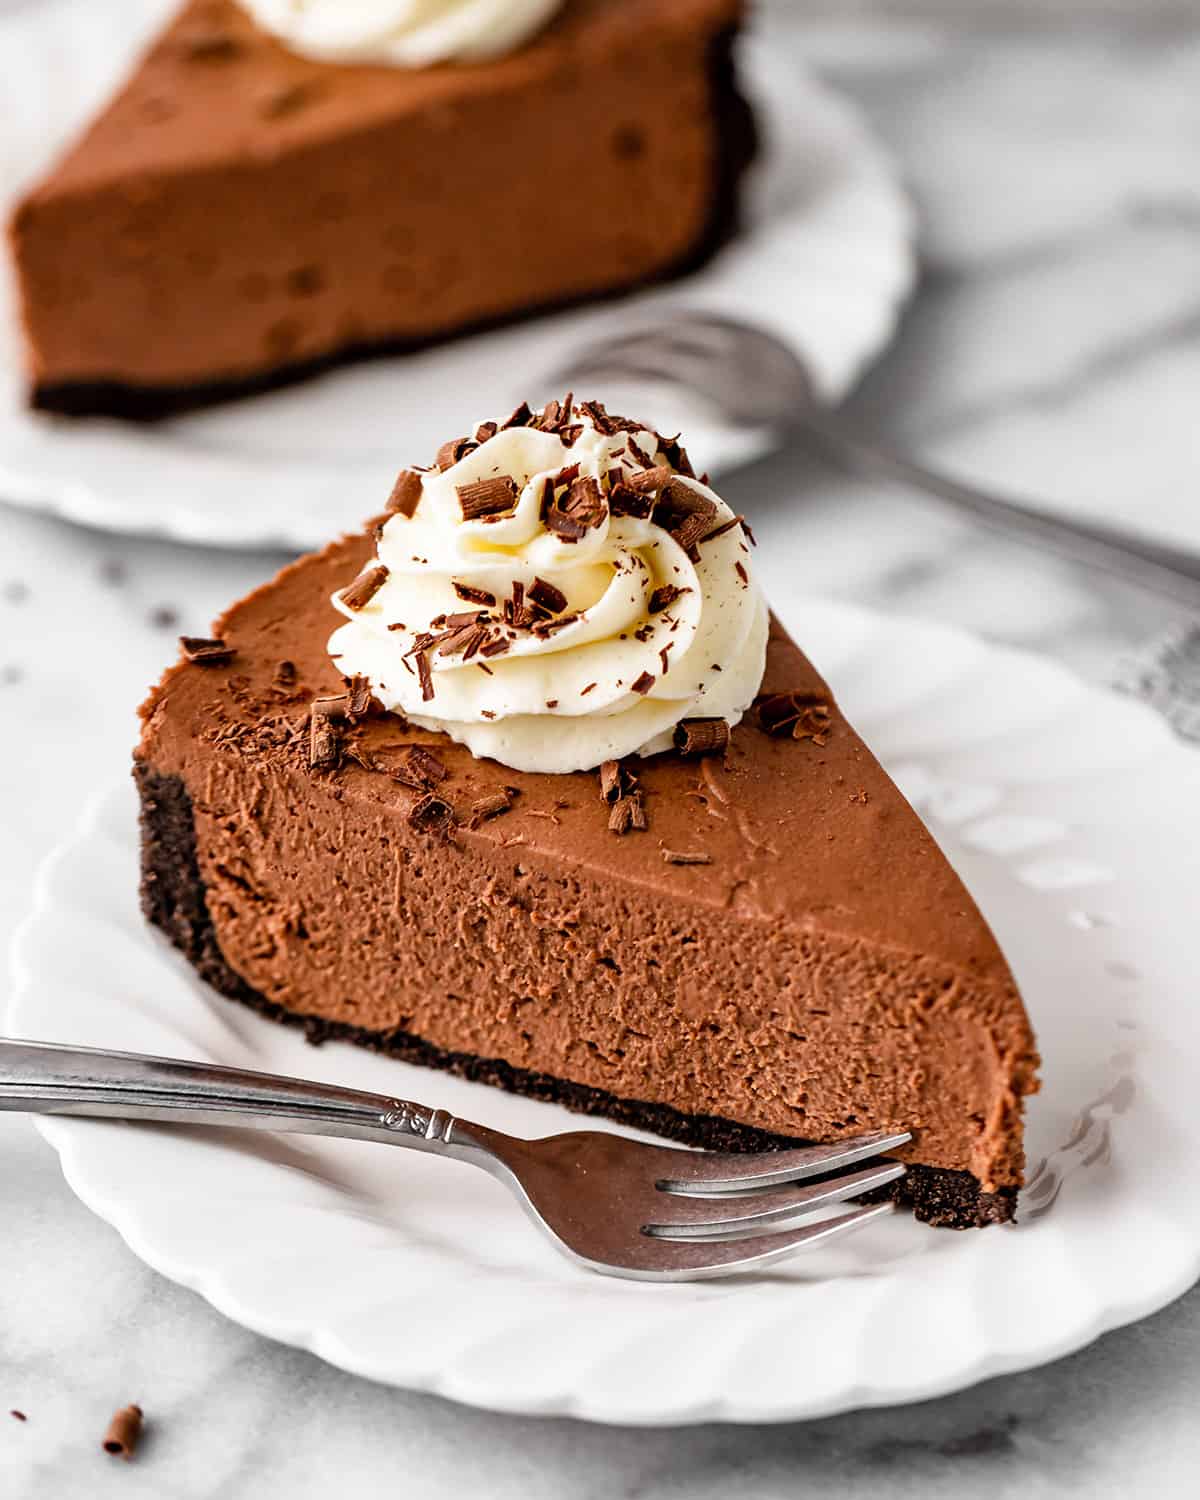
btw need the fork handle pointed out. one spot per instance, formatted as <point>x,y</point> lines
<point>1173,572</point>
<point>45,1078</point>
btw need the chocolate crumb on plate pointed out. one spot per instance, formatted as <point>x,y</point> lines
<point>205,651</point>
<point>124,1430</point>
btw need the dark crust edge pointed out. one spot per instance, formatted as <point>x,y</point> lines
<point>173,899</point>
<point>737,143</point>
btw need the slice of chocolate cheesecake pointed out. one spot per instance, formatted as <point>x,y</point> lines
<point>242,214</point>
<point>745,939</point>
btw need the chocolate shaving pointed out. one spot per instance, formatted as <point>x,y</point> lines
<point>628,814</point>
<point>450,453</point>
<point>711,536</point>
<point>520,418</point>
<point>649,480</point>
<point>416,767</point>
<point>622,501</point>
<point>685,514</point>
<point>677,456</point>
<point>487,497</point>
<point>324,740</point>
<point>678,857</point>
<point>425,675</point>
<point>739,568</point>
<point>545,628</point>
<point>121,1439</point>
<point>205,651</point>
<point>208,46</point>
<point>471,595</point>
<point>702,736</point>
<point>484,431</point>
<point>662,598</point>
<point>364,588</point>
<point>802,716</point>
<point>359,699</point>
<point>285,674</point>
<point>406,493</point>
<point>642,684</point>
<point>491,806</point>
<point>431,814</point>
<point>615,780</point>
<point>18,1415</point>
<point>497,646</point>
<point>546,596</point>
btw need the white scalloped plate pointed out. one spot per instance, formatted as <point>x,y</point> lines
<point>1070,812</point>
<point>826,261</point>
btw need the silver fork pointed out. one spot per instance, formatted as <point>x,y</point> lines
<point>754,380</point>
<point>651,1213</point>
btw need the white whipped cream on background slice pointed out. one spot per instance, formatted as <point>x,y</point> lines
<point>404,33</point>
<point>559,699</point>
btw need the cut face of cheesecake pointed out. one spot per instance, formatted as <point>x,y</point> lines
<point>781,954</point>
<point>240,215</point>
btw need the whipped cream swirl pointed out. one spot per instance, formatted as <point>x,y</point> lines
<point>404,33</point>
<point>558,598</point>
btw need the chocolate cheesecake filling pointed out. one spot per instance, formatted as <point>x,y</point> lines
<point>820,972</point>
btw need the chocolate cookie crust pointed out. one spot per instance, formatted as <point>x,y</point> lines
<point>173,899</point>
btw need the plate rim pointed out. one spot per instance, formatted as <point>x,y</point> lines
<point>980,1360</point>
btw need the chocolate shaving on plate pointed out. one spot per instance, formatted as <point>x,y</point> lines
<point>615,780</point>
<point>364,588</point>
<point>205,651</point>
<point>406,493</point>
<point>121,1439</point>
<point>702,736</point>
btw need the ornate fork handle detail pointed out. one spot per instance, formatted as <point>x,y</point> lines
<point>51,1079</point>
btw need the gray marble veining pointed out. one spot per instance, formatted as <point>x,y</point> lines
<point>1055,348</point>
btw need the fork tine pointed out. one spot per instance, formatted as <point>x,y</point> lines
<point>717,1172</point>
<point>696,1260</point>
<point>738,1216</point>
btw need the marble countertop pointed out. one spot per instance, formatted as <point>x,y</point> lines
<point>1054,348</point>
